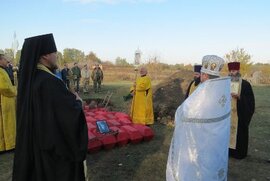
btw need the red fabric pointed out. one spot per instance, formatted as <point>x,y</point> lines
<point>86,114</point>
<point>90,119</point>
<point>122,115</point>
<point>122,137</point>
<point>134,135</point>
<point>117,121</point>
<point>91,126</point>
<point>111,116</point>
<point>112,122</point>
<point>125,121</point>
<point>101,113</point>
<point>90,114</point>
<point>234,66</point>
<point>147,132</point>
<point>94,144</point>
<point>107,140</point>
<point>100,117</point>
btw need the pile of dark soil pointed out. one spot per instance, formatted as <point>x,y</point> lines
<point>169,94</point>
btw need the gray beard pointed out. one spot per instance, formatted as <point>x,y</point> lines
<point>235,78</point>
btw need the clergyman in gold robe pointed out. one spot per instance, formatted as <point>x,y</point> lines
<point>8,95</point>
<point>142,103</point>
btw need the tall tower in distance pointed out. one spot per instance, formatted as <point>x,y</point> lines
<point>138,56</point>
<point>15,45</point>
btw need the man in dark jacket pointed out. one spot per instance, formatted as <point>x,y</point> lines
<point>65,75</point>
<point>76,71</point>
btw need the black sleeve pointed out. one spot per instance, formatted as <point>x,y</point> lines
<point>188,90</point>
<point>246,104</point>
<point>71,123</point>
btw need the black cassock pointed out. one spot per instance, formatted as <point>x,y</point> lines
<point>188,90</point>
<point>245,110</point>
<point>54,146</point>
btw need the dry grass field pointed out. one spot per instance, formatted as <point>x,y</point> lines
<point>147,161</point>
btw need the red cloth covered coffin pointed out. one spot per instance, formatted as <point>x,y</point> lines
<point>147,132</point>
<point>100,117</point>
<point>134,135</point>
<point>91,126</point>
<point>90,119</point>
<point>92,114</point>
<point>122,115</point>
<point>108,140</point>
<point>101,112</point>
<point>112,122</point>
<point>94,145</point>
<point>125,121</point>
<point>122,137</point>
<point>111,116</point>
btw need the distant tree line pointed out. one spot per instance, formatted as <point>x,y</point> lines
<point>69,55</point>
<point>153,63</point>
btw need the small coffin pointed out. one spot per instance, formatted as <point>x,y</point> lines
<point>122,137</point>
<point>147,132</point>
<point>134,135</point>
<point>108,140</point>
<point>94,145</point>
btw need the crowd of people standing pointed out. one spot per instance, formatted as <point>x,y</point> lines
<point>77,77</point>
<point>51,135</point>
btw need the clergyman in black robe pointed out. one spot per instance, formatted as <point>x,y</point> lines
<point>245,106</point>
<point>52,139</point>
<point>194,83</point>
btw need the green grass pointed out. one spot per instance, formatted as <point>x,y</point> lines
<point>119,89</point>
<point>255,165</point>
<point>147,161</point>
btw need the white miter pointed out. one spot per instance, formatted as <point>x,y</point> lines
<point>212,65</point>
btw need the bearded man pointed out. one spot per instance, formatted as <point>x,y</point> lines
<point>243,105</point>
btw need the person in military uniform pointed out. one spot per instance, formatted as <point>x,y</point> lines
<point>76,71</point>
<point>85,78</point>
<point>97,77</point>
<point>65,75</point>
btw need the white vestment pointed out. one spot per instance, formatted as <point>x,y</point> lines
<point>199,147</point>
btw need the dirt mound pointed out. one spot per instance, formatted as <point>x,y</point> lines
<point>170,93</point>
